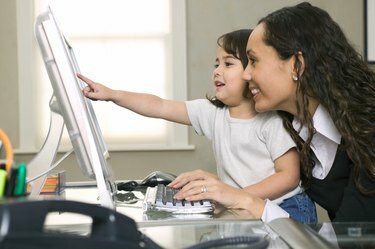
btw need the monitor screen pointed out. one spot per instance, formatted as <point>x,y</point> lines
<point>77,111</point>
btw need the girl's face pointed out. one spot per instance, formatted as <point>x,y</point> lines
<point>227,77</point>
<point>270,78</point>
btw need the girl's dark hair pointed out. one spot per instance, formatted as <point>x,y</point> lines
<point>234,43</point>
<point>334,74</point>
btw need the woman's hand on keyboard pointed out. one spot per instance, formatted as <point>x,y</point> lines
<point>190,176</point>
<point>201,185</point>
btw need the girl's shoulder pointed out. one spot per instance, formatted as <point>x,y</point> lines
<point>269,117</point>
<point>269,122</point>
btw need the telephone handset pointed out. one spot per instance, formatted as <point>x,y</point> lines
<point>22,226</point>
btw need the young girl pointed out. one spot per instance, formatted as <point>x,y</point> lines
<point>252,151</point>
<point>301,64</point>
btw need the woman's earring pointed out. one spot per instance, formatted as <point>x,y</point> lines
<point>295,77</point>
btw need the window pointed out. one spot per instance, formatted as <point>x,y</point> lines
<point>132,45</point>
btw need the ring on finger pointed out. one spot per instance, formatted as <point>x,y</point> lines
<point>204,189</point>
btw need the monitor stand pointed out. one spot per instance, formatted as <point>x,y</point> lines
<point>42,162</point>
<point>44,159</point>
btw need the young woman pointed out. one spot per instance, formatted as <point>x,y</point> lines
<point>253,151</point>
<point>301,64</point>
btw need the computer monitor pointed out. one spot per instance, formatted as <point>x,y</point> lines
<point>77,111</point>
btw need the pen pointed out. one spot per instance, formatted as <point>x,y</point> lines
<point>3,180</point>
<point>9,189</point>
<point>20,184</point>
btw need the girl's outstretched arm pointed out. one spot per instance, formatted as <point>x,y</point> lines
<point>144,104</point>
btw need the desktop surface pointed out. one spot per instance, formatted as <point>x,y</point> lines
<point>89,194</point>
<point>184,235</point>
<point>181,231</point>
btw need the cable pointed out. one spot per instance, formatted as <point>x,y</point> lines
<point>127,186</point>
<point>253,242</point>
<point>8,150</point>
<point>52,166</point>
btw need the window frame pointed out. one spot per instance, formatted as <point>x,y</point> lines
<point>28,52</point>
<point>369,24</point>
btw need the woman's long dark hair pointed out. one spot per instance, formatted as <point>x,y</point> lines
<point>234,43</point>
<point>335,75</point>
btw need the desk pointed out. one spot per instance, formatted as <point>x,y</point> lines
<point>184,231</point>
<point>134,211</point>
<point>166,230</point>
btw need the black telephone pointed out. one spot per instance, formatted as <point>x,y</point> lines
<point>22,226</point>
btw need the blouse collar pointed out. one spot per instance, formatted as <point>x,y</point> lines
<point>323,124</point>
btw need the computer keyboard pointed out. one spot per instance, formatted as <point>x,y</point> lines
<point>161,198</point>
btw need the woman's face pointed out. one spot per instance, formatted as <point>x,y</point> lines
<point>270,78</point>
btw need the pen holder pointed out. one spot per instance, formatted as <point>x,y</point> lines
<point>13,182</point>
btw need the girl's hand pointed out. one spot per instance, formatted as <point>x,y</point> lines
<point>96,91</point>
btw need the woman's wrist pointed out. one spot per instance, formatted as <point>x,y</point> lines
<point>255,205</point>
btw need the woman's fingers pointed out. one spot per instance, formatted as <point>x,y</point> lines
<point>196,190</point>
<point>187,177</point>
<point>189,189</point>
